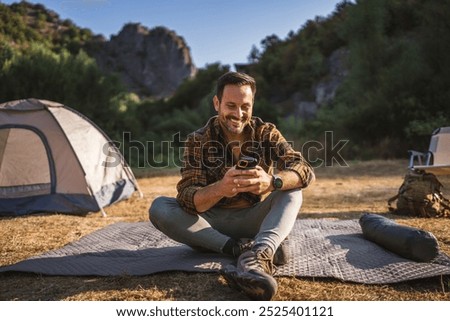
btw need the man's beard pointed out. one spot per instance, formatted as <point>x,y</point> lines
<point>234,125</point>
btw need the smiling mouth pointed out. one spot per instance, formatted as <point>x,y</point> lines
<point>236,122</point>
<point>235,125</point>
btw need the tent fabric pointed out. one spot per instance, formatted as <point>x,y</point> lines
<point>49,203</point>
<point>54,159</point>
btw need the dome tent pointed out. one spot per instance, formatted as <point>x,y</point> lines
<point>55,160</point>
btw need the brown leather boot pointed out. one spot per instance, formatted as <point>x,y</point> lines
<point>253,274</point>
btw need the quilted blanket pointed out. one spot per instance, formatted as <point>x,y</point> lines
<point>318,248</point>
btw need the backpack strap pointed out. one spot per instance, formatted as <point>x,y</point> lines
<point>393,198</point>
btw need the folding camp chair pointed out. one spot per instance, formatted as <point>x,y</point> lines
<point>437,159</point>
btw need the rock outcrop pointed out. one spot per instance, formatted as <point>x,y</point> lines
<point>325,90</point>
<point>151,62</point>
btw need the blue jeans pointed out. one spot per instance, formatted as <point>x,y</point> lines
<point>268,222</point>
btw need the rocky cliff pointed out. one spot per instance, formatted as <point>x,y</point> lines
<point>325,90</point>
<point>151,62</point>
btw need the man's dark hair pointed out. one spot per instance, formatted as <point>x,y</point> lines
<point>234,78</point>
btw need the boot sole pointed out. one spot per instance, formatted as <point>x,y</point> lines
<point>256,286</point>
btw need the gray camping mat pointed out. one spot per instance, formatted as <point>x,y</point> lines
<point>319,248</point>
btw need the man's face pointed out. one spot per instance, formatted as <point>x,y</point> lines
<point>235,109</point>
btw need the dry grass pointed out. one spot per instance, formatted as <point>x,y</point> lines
<point>338,193</point>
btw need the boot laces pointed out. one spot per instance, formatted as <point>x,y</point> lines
<point>259,260</point>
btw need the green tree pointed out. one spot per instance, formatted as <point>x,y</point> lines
<point>73,80</point>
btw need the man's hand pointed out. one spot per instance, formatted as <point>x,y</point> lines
<point>255,181</point>
<point>235,181</point>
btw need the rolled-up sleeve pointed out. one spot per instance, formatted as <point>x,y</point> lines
<point>289,159</point>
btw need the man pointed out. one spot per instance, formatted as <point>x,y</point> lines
<point>218,206</point>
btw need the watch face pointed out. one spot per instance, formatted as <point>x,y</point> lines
<point>277,182</point>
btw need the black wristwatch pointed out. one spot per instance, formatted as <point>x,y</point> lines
<point>277,182</point>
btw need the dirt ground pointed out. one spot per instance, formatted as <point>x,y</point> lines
<point>338,193</point>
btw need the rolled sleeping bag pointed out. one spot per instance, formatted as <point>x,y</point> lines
<point>409,242</point>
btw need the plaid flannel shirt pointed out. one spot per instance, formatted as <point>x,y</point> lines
<point>207,158</point>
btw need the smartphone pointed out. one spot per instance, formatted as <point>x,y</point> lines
<point>246,162</point>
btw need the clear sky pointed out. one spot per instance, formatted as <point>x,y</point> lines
<point>215,30</point>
